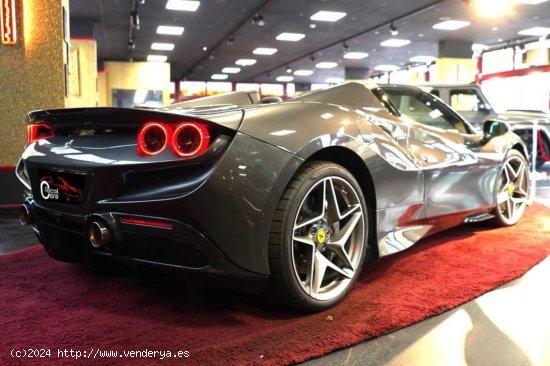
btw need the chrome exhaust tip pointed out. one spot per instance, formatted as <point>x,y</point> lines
<point>24,215</point>
<point>99,234</point>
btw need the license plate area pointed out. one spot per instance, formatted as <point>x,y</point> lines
<point>61,187</point>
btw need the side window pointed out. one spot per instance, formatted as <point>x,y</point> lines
<point>426,109</point>
<point>421,111</point>
<point>465,100</point>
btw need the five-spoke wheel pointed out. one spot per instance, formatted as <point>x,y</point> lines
<point>512,189</point>
<point>319,238</point>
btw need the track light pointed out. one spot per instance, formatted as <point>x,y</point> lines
<point>141,2</point>
<point>345,47</point>
<point>212,55</point>
<point>393,30</point>
<point>134,20</point>
<point>288,69</point>
<point>230,41</point>
<point>312,58</point>
<point>258,20</point>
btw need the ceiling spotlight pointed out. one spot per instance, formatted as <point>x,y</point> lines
<point>141,2</point>
<point>258,20</point>
<point>345,47</point>
<point>288,69</point>
<point>393,30</point>
<point>212,55</point>
<point>312,58</point>
<point>205,48</point>
<point>230,40</point>
<point>131,45</point>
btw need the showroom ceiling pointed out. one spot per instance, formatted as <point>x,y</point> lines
<point>220,32</point>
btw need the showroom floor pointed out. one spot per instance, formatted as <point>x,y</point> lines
<point>509,326</point>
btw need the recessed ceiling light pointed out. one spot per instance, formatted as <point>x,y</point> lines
<point>423,59</point>
<point>395,42</point>
<point>327,16</point>
<point>183,5</point>
<point>245,62</point>
<point>157,58</point>
<point>334,80</point>
<point>231,70</point>
<point>264,51</point>
<point>218,77</point>
<point>386,68</point>
<point>303,72</point>
<point>162,46</point>
<point>292,37</point>
<point>535,31</point>
<point>451,25</point>
<point>355,55</point>
<point>170,30</point>
<point>285,78</point>
<point>326,65</point>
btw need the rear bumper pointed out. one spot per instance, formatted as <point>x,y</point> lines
<point>221,213</point>
<point>178,249</point>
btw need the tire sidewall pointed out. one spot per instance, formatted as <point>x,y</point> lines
<point>500,219</point>
<point>329,170</point>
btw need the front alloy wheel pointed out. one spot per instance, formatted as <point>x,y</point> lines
<point>512,189</point>
<point>322,237</point>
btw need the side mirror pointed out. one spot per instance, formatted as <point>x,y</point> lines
<point>493,128</point>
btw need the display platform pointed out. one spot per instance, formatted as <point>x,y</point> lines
<point>116,314</point>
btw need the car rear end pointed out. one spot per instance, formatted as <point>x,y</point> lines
<point>131,184</point>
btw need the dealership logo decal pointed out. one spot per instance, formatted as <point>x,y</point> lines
<point>59,189</point>
<point>47,192</point>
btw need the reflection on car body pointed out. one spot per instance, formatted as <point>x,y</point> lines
<point>289,196</point>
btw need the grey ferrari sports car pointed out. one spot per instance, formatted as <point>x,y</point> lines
<point>288,197</point>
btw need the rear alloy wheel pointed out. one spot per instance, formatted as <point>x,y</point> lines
<point>318,238</point>
<point>512,189</point>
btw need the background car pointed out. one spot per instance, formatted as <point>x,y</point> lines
<point>473,105</point>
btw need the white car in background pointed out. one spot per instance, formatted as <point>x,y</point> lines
<point>470,102</point>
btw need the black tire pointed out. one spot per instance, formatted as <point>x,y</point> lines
<point>288,258</point>
<point>511,191</point>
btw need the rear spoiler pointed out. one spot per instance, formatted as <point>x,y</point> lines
<point>102,115</point>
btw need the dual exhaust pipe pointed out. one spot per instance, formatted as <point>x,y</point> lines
<point>99,233</point>
<point>25,215</point>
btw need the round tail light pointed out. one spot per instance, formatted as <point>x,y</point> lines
<point>190,140</point>
<point>152,139</point>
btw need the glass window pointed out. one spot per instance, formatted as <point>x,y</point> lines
<point>142,98</point>
<point>424,108</point>
<point>465,100</point>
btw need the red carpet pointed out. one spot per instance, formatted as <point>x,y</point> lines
<point>46,304</point>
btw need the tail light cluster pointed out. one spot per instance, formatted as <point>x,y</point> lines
<point>186,139</point>
<point>39,132</point>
